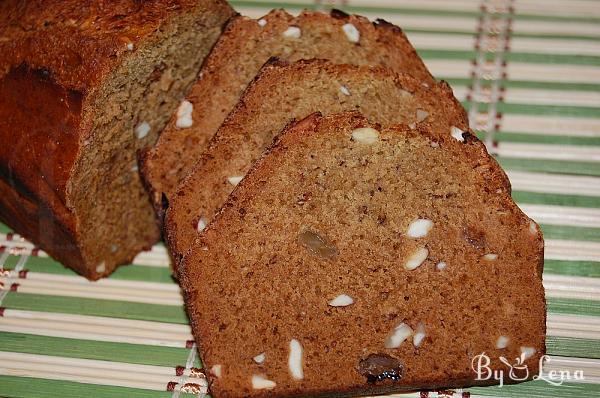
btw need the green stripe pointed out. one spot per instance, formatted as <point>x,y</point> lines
<point>568,232</point>
<point>573,306</point>
<point>540,389</point>
<point>28,387</point>
<point>504,136</point>
<point>550,166</point>
<point>555,199</point>
<point>572,268</point>
<point>570,347</point>
<point>557,86</point>
<point>87,306</point>
<point>90,349</point>
<point>529,109</point>
<point>47,265</point>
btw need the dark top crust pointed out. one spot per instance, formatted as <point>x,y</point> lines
<point>78,41</point>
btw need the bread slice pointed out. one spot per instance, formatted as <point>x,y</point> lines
<point>239,54</point>
<point>83,86</point>
<point>356,259</point>
<point>280,93</point>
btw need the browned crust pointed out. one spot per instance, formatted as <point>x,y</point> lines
<point>292,136</point>
<point>158,174</point>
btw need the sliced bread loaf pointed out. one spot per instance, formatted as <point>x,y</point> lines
<point>359,259</point>
<point>239,54</point>
<point>280,93</point>
<point>83,86</point>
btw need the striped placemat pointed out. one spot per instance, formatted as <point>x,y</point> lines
<point>528,71</point>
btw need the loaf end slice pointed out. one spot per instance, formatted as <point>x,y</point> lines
<point>355,259</point>
<point>284,91</point>
<point>83,86</point>
<point>237,57</point>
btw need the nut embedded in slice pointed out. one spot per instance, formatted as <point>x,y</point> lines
<point>184,114</point>
<point>295,360</point>
<point>260,382</point>
<point>351,32</point>
<point>416,259</point>
<point>342,300</point>
<point>398,335</point>
<point>365,135</point>
<point>419,228</point>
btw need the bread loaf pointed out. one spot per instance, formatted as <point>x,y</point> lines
<point>83,86</point>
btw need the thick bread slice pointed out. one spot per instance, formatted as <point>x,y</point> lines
<point>239,54</point>
<point>360,259</point>
<point>282,92</point>
<point>83,86</point>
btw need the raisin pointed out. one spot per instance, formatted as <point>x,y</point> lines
<point>379,367</point>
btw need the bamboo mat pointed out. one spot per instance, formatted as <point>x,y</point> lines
<point>528,71</point>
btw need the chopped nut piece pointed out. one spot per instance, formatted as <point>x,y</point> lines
<point>457,133</point>
<point>419,228</point>
<point>351,32</point>
<point>234,180</point>
<point>416,258</point>
<point>344,90</point>
<point>398,335</point>
<point>419,335</point>
<point>262,22</point>
<point>342,300</point>
<point>142,130</point>
<point>365,135</point>
<point>293,32</point>
<point>527,352</point>
<point>201,224</point>
<point>490,257</point>
<point>533,228</point>
<point>260,358</point>
<point>184,114</point>
<point>260,382</point>
<point>217,371</point>
<point>441,265</point>
<point>502,342</point>
<point>421,115</point>
<point>295,360</point>
<point>317,244</point>
<point>101,267</point>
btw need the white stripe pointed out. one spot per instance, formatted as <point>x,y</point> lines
<point>573,326</point>
<point>563,215</point>
<point>85,370</point>
<point>571,250</point>
<point>552,97</point>
<point>554,183</point>
<point>71,286</point>
<point>95,328</point>
<point>563,28</point>
<point>547,151</point>
<point>551,125</point>
<point>572,287</point>
<point>570,8</point>
<point>590,367</point>
<point>553,73</point>
<point>441,41</point>
<point>555,46</point>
